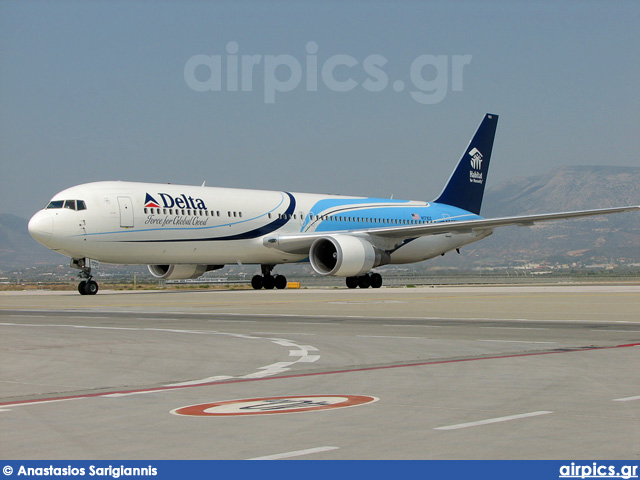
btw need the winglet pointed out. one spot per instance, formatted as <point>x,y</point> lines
<point>465,187</point>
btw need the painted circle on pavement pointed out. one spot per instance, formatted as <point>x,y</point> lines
<point>272,405</point>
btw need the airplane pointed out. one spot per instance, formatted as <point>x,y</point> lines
<point>182,231</point>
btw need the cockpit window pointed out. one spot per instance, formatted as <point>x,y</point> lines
<point>56,204</point>
<point>70,204</point>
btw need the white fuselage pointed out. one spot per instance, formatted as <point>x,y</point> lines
<point>143,223</point>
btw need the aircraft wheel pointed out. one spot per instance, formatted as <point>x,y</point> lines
<point>91,288</point>
<point>269,282</point>
<point>352,282</point>
<point>81,287</point>
<point>257,282</point>
<point>376,280</point>
<point>281,282</point>
<point>364,281</point>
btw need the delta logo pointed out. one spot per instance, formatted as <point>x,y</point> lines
<point>168,201</point>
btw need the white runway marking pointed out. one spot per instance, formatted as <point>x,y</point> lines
<point>363,302</point>
<point>493,420</point>
<point>283,333</point>
<point>300,352</point>
<point>297,453</point>
<point>382,336</point>
<point>118,395</point>
<point>217,378</point>
<point>8,407</point>
<point>511,341</point>
<point>406,325</point>
<point>627,399</point>
<point>232,321</point>
<point>517,328</point>
<point>313,323</point>
<point>617,331</point>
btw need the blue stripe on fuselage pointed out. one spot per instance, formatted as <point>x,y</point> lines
<point>355,217</point>
<point>331,206</point>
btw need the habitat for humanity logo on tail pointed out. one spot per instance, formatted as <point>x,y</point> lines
<point>475,174</point>
<point>180,201</point>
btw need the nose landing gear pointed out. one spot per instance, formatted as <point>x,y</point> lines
<point>87,285</point>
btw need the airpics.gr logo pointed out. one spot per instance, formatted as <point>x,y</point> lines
<point>169,201</point>
<point>475,174</point>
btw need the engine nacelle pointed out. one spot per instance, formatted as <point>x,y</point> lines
<point>180,272</point>
<point>345,256</point>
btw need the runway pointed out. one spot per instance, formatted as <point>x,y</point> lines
<point>518,372</point>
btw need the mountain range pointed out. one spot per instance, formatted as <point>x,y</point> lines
<point>603,239</point>
<point>606,239</point>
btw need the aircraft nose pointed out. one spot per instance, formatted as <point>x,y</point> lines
<point>41,227</point>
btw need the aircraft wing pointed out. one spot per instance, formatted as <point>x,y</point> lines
<point>301,242</point>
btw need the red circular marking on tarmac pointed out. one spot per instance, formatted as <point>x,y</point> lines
<point>273,405</point>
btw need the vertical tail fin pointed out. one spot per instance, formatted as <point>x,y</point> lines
<point>465,187</point>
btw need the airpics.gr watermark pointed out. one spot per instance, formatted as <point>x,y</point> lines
<point>430,76</point>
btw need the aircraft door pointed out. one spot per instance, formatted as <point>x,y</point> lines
<point>126,212</point>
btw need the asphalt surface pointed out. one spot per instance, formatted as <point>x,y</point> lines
<point>519,372</point>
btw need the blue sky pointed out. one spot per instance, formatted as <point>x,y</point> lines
<point>97,91</point>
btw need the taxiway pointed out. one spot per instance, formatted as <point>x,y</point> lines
<point>518,372</point>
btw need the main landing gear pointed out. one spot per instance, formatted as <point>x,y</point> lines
<point>373,280</point>
<point>267,281</point>
<point>87,285</point>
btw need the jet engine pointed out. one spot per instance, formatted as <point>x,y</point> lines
<point>180,272</point>
<point>345,256</point>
